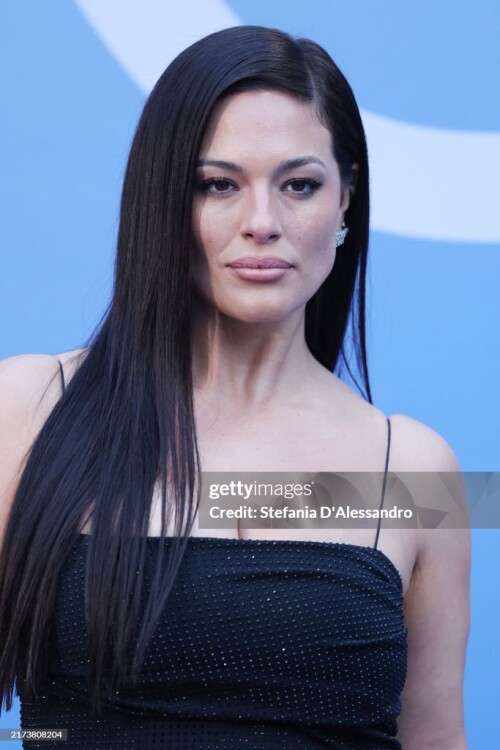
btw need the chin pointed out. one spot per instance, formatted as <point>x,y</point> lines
<point>257,318</point>
<point>258,313</point>
<point>256,308</point>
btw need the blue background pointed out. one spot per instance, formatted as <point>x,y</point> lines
<point>68,114</point>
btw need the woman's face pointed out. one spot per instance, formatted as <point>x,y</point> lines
<point>268,192</point>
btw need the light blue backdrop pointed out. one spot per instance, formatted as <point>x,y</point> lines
<point>427,77</point>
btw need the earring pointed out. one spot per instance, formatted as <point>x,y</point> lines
<point>341,235</point>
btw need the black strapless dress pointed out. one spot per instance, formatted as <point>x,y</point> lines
<point>263,644</point>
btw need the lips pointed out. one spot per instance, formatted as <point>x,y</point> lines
<point>268,262</point>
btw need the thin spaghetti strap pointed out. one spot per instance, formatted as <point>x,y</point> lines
<point>63,384</point>
<point>385,477</point>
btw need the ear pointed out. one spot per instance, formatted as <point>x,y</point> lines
<point>349,188</point>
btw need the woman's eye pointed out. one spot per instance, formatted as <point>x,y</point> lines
<point>302,186</point>
<point>216,185</point>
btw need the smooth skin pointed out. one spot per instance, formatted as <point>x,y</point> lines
<point>268,184</point>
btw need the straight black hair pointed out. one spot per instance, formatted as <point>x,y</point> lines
<point>126,420</point>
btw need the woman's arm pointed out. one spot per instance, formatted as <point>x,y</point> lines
<point>30,386</point>
<point>436,608</point>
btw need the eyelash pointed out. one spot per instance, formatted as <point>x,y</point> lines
<point>205,186</point>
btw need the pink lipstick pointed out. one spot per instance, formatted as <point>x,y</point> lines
<point>269,268</point>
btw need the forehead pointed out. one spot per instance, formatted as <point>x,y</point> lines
<point>263,124</point>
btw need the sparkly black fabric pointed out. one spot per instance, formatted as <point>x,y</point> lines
<point>263,645</point>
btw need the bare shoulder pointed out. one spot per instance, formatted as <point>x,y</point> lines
<point>430,471</point>
<point>417,447</point>
<point>23,381</point>
<point>71,360</point>
<point>27,380</point>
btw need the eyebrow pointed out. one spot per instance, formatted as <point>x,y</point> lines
<point>284,166</point>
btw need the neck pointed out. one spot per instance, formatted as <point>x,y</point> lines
<point>249,365</point>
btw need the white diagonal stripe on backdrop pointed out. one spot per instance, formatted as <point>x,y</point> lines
<point>427,183</point>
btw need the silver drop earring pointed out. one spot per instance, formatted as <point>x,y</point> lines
<point>341,235</point>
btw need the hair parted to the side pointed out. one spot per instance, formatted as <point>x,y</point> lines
<point>127,417</point>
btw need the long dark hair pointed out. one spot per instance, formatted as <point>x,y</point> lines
<point>126,419</point>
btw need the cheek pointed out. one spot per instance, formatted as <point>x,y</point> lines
<point>318,234</point>
<point>211,233</point>
<point>200,228</point>
<point>317,246</point>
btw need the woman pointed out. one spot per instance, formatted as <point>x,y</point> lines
<point>241,262</point>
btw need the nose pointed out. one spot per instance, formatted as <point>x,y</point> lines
<point>260,221</point>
